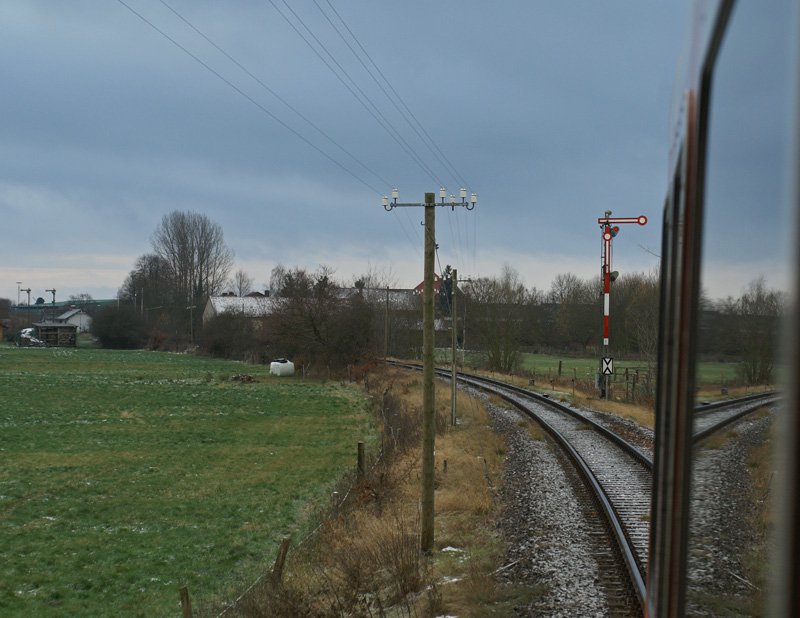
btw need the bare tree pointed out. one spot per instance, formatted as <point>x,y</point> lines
<point>318,322</point>
<point>195,249</point>
<point>576,300</point>
<point>276,280</point>
<point>241,283</point>
<point>497,307</point>
<point>151,279</point>
<point>83,297</point>
<point>374,282</point>
<point>760,310</point>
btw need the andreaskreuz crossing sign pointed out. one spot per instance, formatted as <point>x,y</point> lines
<point>608,366</point>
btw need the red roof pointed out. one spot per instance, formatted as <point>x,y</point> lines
<point>437,284</point>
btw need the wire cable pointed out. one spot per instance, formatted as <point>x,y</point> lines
<point>364,99</point>
<point>458,241</point>
<point>391,100</point>
<point>275,94</point>
<point>452,170</point>
<point>455,236</point>
<point>249,98</point>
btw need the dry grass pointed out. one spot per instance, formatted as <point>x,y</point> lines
<point>762,464</point>
<point>366,559</point>
<point>719,439</point>
<point>642,415</point>
<point>562,389</point>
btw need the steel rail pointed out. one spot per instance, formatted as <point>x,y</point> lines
<point>603,500</point>
<point>724,403</point>
<point>612,517</point>
<point>704,433</point>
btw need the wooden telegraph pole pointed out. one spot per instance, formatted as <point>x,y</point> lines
<point>454,291</point>
<point>386,327</point>
<point>428,392</point>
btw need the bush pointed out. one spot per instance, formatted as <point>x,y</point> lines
<point>230,336</point>
<point>120,328</point>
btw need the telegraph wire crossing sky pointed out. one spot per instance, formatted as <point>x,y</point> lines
<point>287,122</point>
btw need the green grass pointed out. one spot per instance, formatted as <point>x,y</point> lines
<point>125,475</point>
<point>709,373</point>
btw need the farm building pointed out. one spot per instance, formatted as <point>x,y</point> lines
<point>77,317</point>
<point>246,306</point>
<point>57,334</point>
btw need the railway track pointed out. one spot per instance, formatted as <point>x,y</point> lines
<point>617,473</point>
<point>710,418</point>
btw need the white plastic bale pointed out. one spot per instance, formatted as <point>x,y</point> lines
<point>281,368</point>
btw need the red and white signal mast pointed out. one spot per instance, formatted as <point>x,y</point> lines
<point>610,226</point>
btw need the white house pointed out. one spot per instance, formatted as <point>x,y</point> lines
<point>76,317</point>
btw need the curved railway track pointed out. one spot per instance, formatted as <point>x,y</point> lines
<point>617,473</point>
<point>710,418</point>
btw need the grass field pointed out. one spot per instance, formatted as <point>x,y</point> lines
<point>712,373</point>
<point>125,475</point>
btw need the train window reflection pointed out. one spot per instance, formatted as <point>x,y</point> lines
<point>744,280</point>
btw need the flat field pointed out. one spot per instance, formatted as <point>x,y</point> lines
<point>709,373</point>
<point>125,475</point>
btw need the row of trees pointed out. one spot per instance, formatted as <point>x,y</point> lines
<point>746,329</point>
<point>328,323</point>
<point>505,318</point>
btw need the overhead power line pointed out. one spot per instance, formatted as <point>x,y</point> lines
<point>249,98</point>
<point>429,142</point>
<point>360,96</point>
<point>261,83</point>
<point>391,93</point>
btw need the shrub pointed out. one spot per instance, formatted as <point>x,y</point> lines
<point>119,327</point>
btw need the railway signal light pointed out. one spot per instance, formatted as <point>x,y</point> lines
<point>610,230</point>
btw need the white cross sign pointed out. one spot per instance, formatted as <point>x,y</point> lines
<point>608,366</point>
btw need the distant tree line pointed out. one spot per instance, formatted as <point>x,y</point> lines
<point>327,324</point>
<point>745,330</point>
<point>502,318</point>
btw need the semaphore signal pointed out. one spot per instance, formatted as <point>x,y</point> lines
<point>610,226</point>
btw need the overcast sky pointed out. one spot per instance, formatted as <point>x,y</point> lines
<point>552,111</point>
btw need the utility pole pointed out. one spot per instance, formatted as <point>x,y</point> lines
<point>19,283</point>
<point>453,292</point>
<point>191,320</point>
<point>386,328</point>
<point>610,230</point>
<point>53,290</point>
<point>428,334</point>
<point>28,290</point>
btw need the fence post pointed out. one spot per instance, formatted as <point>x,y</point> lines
<point>280,561</point>
<point>559,369</point>
<point>360,466</point>
<point>186,604</point>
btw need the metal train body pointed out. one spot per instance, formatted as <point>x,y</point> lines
<point>734,166</point>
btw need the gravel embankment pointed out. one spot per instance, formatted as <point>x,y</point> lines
<point>555,545</point>
<point>722,531</point>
